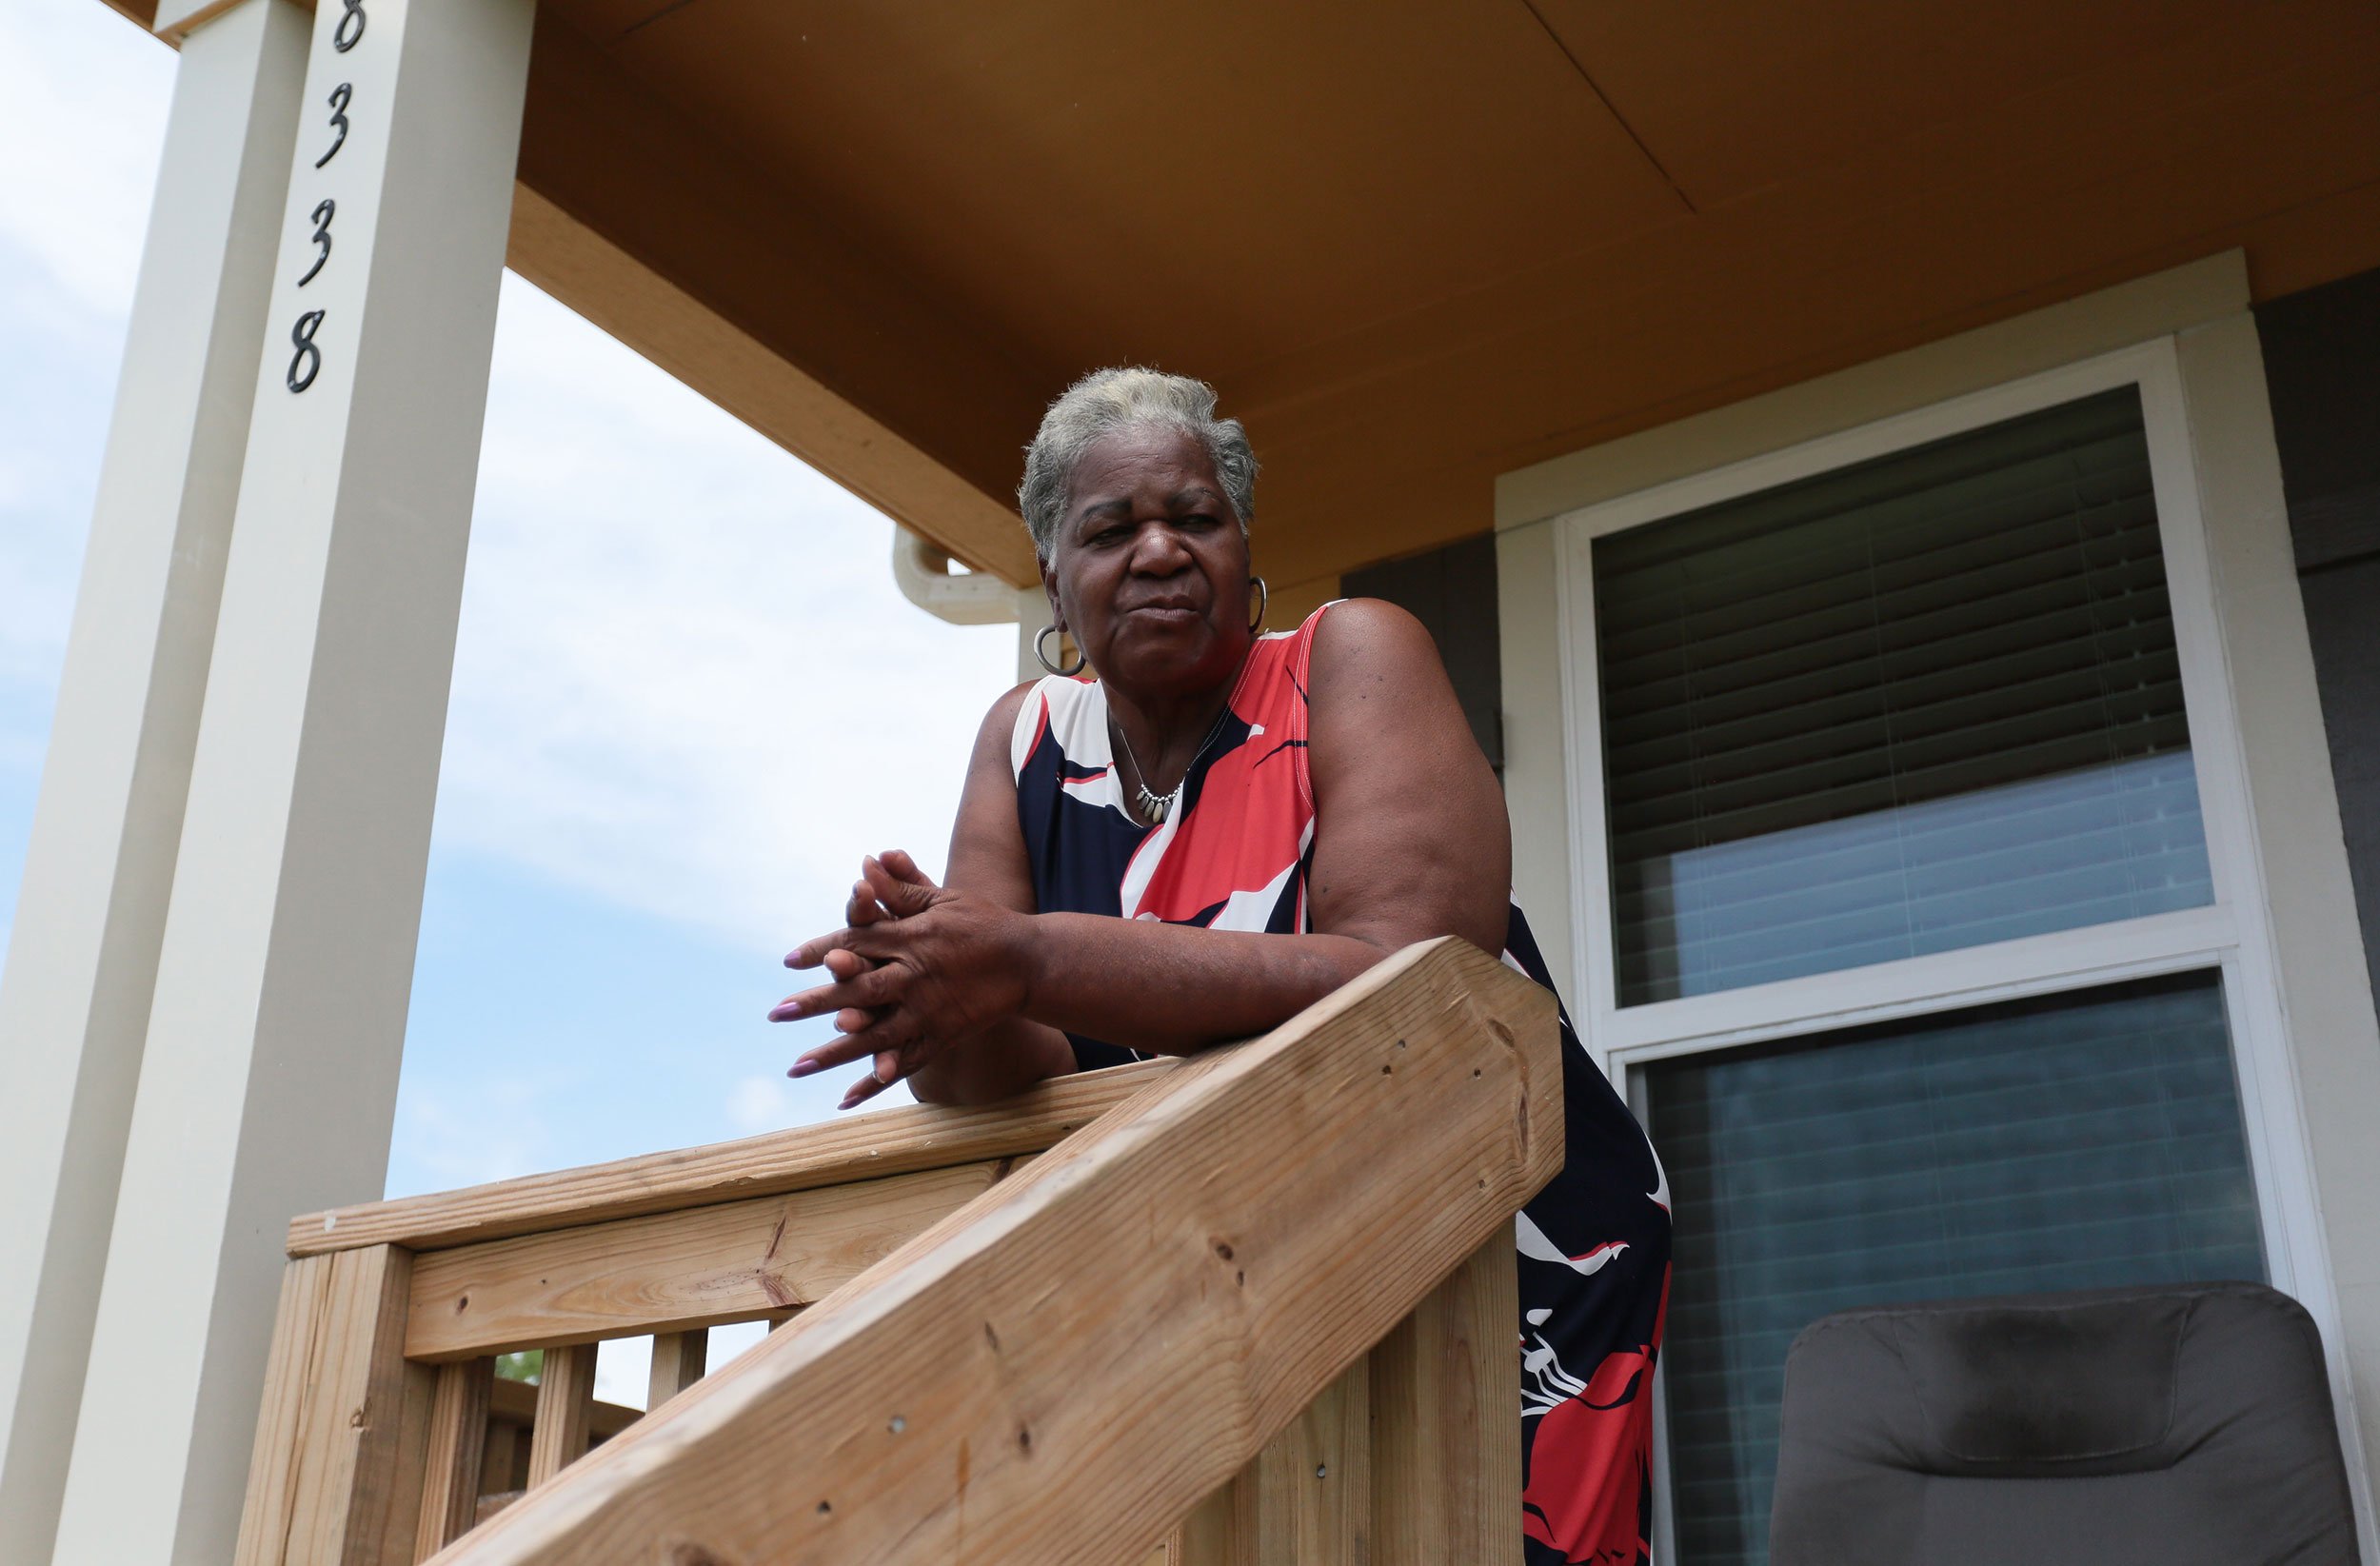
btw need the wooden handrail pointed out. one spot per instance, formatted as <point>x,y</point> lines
<point>1287,1261</point>
<point>891,1141</point>
<point>666,1271</point>
<point>1066,1366</point>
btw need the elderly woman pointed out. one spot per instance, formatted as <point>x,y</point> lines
<point>1219,830</point>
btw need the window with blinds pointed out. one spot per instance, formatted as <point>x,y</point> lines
<point>2083,1141</point>
<point>1923,702</point>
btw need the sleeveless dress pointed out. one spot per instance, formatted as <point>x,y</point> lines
<point>1235,855</point>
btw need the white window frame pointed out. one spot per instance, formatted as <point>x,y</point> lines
<point>2227,936</point>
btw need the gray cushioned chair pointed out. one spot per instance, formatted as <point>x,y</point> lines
<point>2173,1425</point>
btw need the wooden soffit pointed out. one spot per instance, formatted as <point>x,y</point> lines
<point>1414,243</point>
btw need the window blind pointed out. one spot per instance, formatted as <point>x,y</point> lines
<point>2080,1141</point>
<point>1927,702</point>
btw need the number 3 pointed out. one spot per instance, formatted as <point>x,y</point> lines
<point>339,97</point>
<point>323,210</point>
<point>307,354</point>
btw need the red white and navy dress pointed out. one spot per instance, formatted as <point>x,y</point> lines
<point>1235,855</point>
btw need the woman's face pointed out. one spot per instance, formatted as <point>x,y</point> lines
<point>1149,570</point>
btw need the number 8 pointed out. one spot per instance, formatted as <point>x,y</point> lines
<point>341,39</point>
<point>307,354</point>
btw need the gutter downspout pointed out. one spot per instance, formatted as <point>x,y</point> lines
<point>922,569</point>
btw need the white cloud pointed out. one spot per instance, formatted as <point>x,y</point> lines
<point>469,1134</point>
<point>82,102</point>
<point>684,681</point>
<point>760,1103</point>
<point>757,1104</point>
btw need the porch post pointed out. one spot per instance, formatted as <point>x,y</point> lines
<point>270,1073</point>
<point>74,1001</point>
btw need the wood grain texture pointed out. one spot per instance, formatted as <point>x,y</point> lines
<point>679,1360</point>
<point>505,1464</point>
<point>270,1506</point>
<point>1210,1535</point>
<point>701,1268</point>
<point>565,1397</point>
<point>512,1413</point>
<point>389,1480</point>
<point>1308,1494</point>
<point>866,1146</point>
<point>1305,1500</point>
<point>600,150</point>
<point>515,1403</point>
<point>340,1438</point>
<point>747,378</point>
<point>458,1445</point>
<point>1059,1371</point>
<point>2128,139</point>
<point>1445,1431</point>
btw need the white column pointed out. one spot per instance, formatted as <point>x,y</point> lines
<point>74,1003</point>
<point>270,1070</point>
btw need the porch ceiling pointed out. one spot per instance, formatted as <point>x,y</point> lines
<point>1416,244</point>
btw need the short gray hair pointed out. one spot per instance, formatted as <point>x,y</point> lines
<point>1106,401</point>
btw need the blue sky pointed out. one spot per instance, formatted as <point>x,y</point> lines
<point>668,624</point>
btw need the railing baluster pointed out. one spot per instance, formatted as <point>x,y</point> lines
<point>678,1361</point>
<point>1209,1536</point>
<point>1424,1430</point>
<point>566,1395</point>
<point>501,1467</point>
<point>1410,1456</point>
<point>1314,1481</point>
<point>1306,1499</point>
<point>1446,1428</point>
<point>458,1442</point>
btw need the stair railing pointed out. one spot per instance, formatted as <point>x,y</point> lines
<point>1249,1308</point>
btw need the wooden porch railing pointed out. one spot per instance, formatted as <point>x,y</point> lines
<point>1253,1307</point>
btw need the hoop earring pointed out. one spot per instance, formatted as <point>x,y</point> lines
<point>1263,602</point>
<point>1040,640</point>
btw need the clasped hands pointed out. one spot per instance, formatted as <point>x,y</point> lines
<point>918,969</point>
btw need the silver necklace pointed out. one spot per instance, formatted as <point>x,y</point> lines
<point>1154,809</point>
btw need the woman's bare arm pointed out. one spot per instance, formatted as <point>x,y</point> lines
<point>1411,842</point>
